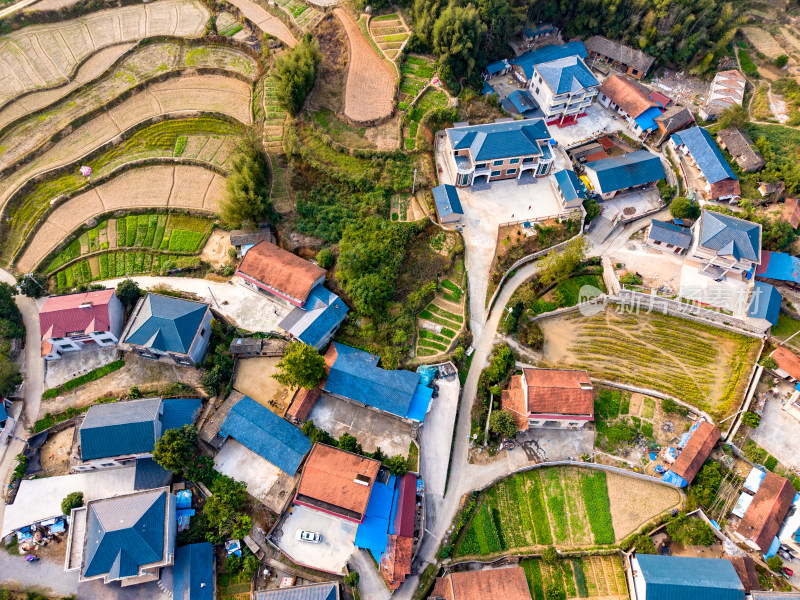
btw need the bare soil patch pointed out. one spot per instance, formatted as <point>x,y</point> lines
<point>56,452</point>
<point>254,379</point>
<point>634,502</point>
<point>265,21</point>
<point>216,249</point>
<point>369,93</point>
<point>763,41</point>
<point>386,136</point>
<point>329,89</point>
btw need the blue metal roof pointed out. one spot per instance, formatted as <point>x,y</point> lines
<point>149,475</point>
<point>669,233</point>
<point>706,154</point>
<point>420,403</point>
<point>373,532</point>
<point>676,139</point>
<point>548,53</point>
<point>327,310</point>
<point>317,591</point>
<point>540,29</point>
<point>730,236</point>
<point>572,188</point>
<point>647,120</point>
<point>355,375</point>
<point>3,413</point>
<point>674,479</point>
<point>494,141</point>
<point>194,572</point>
<point>271,437</point>
<point>622,172</point>
<point>118,428</point>
<point>779,266</point>
<point>689,578</point>
<point>765,303</point>
<point>178,412</point>
<point>568,74</point>
<point>167,324</point>
<point>446,198</point>
<point>497,66</point>
<point>522,101</point>
<point>487,89</point>
<point>124,533</point>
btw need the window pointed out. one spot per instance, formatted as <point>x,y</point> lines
<point>106,340</point>
<point>513,161</point>
<point>511,172</point>
<point>537,90</point>
<point>635,71</point>
<point>495,173</point>
<point>480,166</point>
<point>669,245</point>
<point>108,464</point>
<point>202,332</point>
<point>530,159</point>
<point>497,163</point>
<point>540,80</point>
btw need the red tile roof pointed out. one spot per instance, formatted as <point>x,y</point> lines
<point>396,561</point>
<point>329,481</point>
<point>559,392</point>
<point>61,315</point>
<point>597,156</point>
<point>660,98</point>
<point>407,506</point>
<point>696,451</point>
<point>513,400</point>
<point>746,570</point>
<point>787,361</point>
<point>302,403</point>
<point>501,584</point>
<point>766,512</point>
<point>280,271</point>
<point>631,97</point>
<point>606,142</point>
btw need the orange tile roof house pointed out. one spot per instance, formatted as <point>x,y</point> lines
<point>337,482</point>
<point>396,562</point>
<point>631,100</point>
<point>501,584</point>
<point>704,436</point>
<point>550,398</point>
<point>788,363</point>
<point>766,512</point>
<point>268,268</point>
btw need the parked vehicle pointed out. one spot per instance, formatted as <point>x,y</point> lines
<point>308,536</point>
<point>788,571</point>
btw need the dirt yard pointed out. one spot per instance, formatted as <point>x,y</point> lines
<point>634,502</point>
<point>703,366</point>
<point>387,135</point>
<point>369,92</point>
<point>216,249</point>
<point>254,379</point>
<point>56,452</point>
<point>329,89</point>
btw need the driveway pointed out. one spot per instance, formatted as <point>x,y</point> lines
<point>776,429</point>
<point>331,554</point>
<point>45,575</point>
<point>370,583</point>
<point>244,307</point>
<point>74,364</point>
<point>372,428</point>
<point>437,437</point>
<point>631,204</point>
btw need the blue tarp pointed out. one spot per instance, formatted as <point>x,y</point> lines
<point>184,499</point>
<point>420,403</point>
<point>674,479</point>
<point>3,413</point>
<point>487,89</point>
<point>773,548</point>
<point>428,374</point>
<point>647,120</point>
<point>373,533</point>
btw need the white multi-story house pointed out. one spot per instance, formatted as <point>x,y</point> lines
<point>563,88</point>
<point>78,321</point>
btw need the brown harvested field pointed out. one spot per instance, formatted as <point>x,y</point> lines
<point>369,92</point>
<point>151,60</point>
<point>635,502</point>
<point>180,186</point>
<point>201,92</point>
<point>94,66</point>
<point>265,21</point>
<point>49,5</point>
<point>763,41</point>
<point>42,56</point>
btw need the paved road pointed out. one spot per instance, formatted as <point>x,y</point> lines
<point>7,12</point>
<point>370,582</point>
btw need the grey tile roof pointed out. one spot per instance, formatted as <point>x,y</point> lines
<point>167,324</point>
<point>669,233</point>
<point>674,118</point>
<point>742,148</point>
<point>124,533</point>
<point>568,74</point>
<point>620,53</point>
<point>319,591</point>
<point>730,236</point>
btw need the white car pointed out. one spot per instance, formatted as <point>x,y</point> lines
<point>308,536</point>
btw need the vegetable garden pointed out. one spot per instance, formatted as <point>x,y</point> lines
<point>416,72</point>
<point>586,577</point>
<point>446,310</point>
<point>389,34</point>
<point>432,98</point>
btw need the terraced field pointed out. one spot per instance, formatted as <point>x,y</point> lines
<point>432,98</point>
<point>389,33</point>
<point>158,187</point>
<point>442,320</point>
<point>208,93</point>
<point>44,56</point>
<point>152,60</point>
<point>265,21</point>
<point>416,72</point>
<point>305,16</point>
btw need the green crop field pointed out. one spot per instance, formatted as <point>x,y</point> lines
<point>429,100</point>
<point>587,577</point>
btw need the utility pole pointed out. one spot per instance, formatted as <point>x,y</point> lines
<point>213,298</point>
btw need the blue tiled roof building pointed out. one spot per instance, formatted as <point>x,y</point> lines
<point>730,236</point>
<point>618,173</point>
<point>547,54</point>
<point>194,572</point>
<point>687,578</point>
<point>706,154</point>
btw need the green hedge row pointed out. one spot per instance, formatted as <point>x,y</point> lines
<point>86,378</point>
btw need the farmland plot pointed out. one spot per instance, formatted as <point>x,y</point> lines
<point>213,93</point>
<point>43,56</point>
<point>764,42</point>
<point>265,21</point>
<point>442,320</point>
<point>179,187</point>
<point>389,33</point>
<point>702,365</point>
<point>305,16</point>
<point>152,60</point>
<point>416,73</point>
<point>589,577</point>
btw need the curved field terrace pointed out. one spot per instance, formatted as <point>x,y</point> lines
<point>43,56</point>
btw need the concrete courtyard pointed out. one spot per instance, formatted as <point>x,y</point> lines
<point>437,437</point>
<point>75,364</point>
<point>776,428</point>
<point>331,554</point>
<point>241,463</point>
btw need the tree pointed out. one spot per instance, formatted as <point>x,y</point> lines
<point>296,73</point>
<point>683,208</point>
<point>781,61</point>
<point>502,423</point>
<point>398,465</point>
<point>560,265</point>
<point>128,293</point>
<point>301,366</point>
<point>706,485</point>
<point>31,285</point>
<point>250,564</point>
<point>556,594</point>
<point>177,448</point>
<point>769,363</point>
<point>247,202</point>
<point>351,579</point>
<point>775,563</point>
<point>644,544</point>
<point>751,419</point>
<point>690,531</point>
<point>550,555</point>
<point>425,14</point>
<point>349,443</point>
<point>325,258</point>
<point>592,208</point>
<point>734,116</point>
<point>223,509</point>
<point>10,376</point>
<point>73,500</point>
<point>458,37</point>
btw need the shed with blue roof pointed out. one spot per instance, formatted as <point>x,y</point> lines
<point>448,205</point>
<point>639,169</point>
<point>571,189</point>
<point>355,375</point>
<point>765,304</point>
<point>779,266</point>
<point>659,577</point>
<point>548,53</point>
<point>668,237</point>
<point>319,318</point>
<point>496,69</point>
<point>167,327</point>
<point>262,431</point>
<point>697,144</point>
<point>522,103</point>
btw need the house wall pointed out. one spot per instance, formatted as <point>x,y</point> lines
<point>555,107</point>
<point>609,103</point>
<point>200,343</point>
<point>116,313</point>
<point>661,246</point>
<point>113,462</point>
